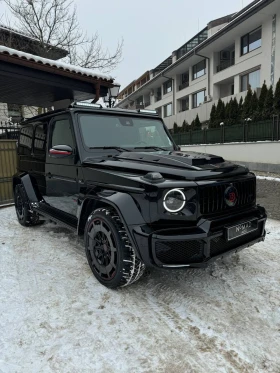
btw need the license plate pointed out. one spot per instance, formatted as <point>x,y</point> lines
<point>241,229</point>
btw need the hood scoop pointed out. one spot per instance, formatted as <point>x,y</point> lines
<point>174,158</point>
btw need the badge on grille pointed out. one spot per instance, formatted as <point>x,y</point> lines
<point>231,196</point>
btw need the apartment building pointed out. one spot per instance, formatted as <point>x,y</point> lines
<point>221,61</point>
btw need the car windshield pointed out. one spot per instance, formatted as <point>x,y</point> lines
<point>100,131</point>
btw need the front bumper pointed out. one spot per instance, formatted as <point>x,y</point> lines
<point>200,245</point>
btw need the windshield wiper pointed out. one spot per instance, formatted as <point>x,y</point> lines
<point>150,147</point>
<point>111,147</point>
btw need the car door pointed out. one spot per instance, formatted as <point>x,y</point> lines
<point>62,186</point>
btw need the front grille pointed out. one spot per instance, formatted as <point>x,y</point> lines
<point>212,198</point>
<point>219,245</point>
<point>179,252</point>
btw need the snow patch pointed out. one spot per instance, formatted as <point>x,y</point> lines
<point>56,64</point>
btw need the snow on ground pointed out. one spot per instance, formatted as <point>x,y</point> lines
<point>55,317</point>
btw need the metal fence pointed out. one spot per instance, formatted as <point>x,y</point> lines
<point>9,131</point>
<point>246,132</point>
<point>9,134</point>
<point>8,166</point>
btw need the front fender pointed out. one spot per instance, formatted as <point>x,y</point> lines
<point>123,203</point>
<point>30,188</point>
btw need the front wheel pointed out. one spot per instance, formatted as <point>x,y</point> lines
<point>109,251</point>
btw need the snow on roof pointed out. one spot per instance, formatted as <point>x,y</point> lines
<point>56,64</point>
<point>14,31</point>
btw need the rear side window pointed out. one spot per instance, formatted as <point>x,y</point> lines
<point>40,139</point>
<point>25,140</point>
<point>61,133</point>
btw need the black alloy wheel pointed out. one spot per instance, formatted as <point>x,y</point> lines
<point>109,251</point>
<point>102,249</point>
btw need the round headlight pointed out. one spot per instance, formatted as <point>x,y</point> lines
<point>174,200</point>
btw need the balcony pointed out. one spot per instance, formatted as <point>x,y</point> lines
<point>147,103</point>
<point>158,98</point>
<point>139,106</point>
<point>225,64</point>
<point>183,85</point>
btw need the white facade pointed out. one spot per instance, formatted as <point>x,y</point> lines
<point>221,79</point>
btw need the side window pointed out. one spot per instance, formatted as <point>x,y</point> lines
<point>25,140</point>
<point>40,139</point>
<point>61,133</point>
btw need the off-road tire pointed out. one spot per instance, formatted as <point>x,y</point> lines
<point>26,216</point>
<point>128,267</point>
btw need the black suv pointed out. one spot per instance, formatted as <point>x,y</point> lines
<point>117,177</point>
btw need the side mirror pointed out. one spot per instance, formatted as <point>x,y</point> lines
<point>61,151</point>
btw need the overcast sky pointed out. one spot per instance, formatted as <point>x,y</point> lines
<point>151,29</point>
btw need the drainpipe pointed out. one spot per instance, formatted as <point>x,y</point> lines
<point>208,70</point>
<point>173,89</point>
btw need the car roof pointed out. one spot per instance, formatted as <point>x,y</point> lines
<point>93,109</point>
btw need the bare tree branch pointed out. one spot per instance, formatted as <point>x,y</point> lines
<point>54,24</point>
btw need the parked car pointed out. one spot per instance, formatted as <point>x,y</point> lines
<point>116,177</point>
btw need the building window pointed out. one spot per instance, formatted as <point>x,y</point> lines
<point>199,69</point>
<point>167,87</point>
<point>198,98</point>
<point>251,79</point>
<point>185,104</point>
<point>158,94</point>
<point>251,41</point>
<point>168,110</point>
<point>184,81</point>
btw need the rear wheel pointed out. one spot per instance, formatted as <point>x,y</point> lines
<point>25,215</point>
<point>109,251</point>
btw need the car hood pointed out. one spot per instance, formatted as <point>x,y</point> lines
<point>171,164</point>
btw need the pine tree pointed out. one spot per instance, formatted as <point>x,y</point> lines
<point>212,122</point>
<point>254,107</point>
<point>277,99</point>
<point>227,113</point>
<point>175,128</point>
<point>220,112</point>
<point>240,109</point>
<point>262,99</point>
<point>234,113</point>
<point>268,104</point>
<point>196,124</point>
<point>185,126</point>
<point>247,110</point>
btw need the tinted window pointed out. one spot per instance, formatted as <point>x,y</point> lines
<point>127,132</point>
<point>40,139</point>
<point>61,133</point>
<point>25,140</point>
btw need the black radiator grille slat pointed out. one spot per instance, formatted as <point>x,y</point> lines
<point>212,196</point>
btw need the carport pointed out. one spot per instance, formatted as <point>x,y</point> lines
<point>30,80</point>
<point>26,79</point>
